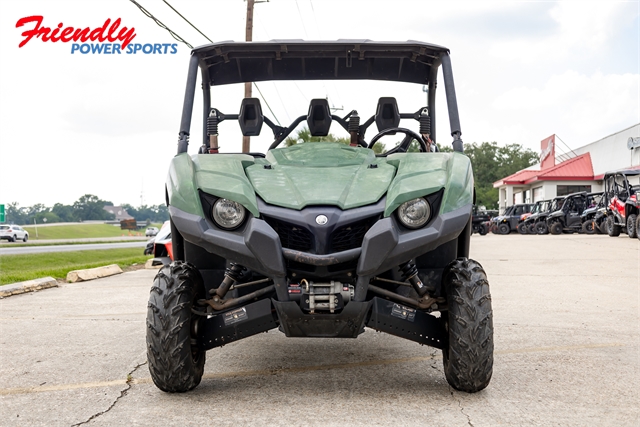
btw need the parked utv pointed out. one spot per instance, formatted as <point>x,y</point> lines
<point>588,216</point>
<point>320,239</point>
<point>568,218</point>
<point>480,220</point>
<point>508,222</point>
<point>624,207</point>
<point>540,224</point>
<point>526,225</point>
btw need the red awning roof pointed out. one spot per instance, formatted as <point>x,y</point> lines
<point>576,169</point>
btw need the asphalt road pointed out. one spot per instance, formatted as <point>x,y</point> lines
<point>68,248</point>
<point>567,353</point>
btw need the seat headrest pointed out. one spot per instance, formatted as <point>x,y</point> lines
<point>250,117</point>
<point>387,114</point>
<point>319,117</point>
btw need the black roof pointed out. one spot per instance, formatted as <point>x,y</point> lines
<point>236,62</point>
<point>626,172</point>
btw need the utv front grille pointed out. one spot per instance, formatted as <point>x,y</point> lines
<point>292,236</point>
<point>350,236</point>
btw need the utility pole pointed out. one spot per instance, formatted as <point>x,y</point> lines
<point>246,142</point>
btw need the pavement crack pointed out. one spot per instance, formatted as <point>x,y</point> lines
<point>123,393</point>
<point>461,408</point>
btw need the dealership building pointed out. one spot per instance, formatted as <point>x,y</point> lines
<point>563,171</point>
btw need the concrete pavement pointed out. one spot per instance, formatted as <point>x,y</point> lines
<point>567,348</point>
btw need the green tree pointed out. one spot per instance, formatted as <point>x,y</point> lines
<point>14,214</point>
<point>492,162</point>
<point>90,207</point>
<point>64,212</point>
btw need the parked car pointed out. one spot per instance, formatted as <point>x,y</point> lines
<point>13,233</point>
<point>151,231</point>
<point>507,222</point>
<point>623,209</point>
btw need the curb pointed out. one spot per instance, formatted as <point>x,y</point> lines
<point>151,265</point>
<point>93,273</point>
<point>28,286</point>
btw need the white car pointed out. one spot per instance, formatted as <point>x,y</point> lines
<point>151,231</point>
<point>13,232</point>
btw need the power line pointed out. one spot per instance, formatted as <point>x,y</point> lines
<point>304,27</point>
<point>180,39</point>
<point>172,8</point>
<point>268,106</point>
<point>160,24</point>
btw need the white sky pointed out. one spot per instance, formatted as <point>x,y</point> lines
<point>107,125</point>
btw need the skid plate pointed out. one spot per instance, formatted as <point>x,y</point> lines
<point>405,322</point>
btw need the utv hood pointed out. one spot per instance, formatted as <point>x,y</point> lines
<point>321,174</point>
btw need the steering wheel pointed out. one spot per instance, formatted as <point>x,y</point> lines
<point>406,142</point>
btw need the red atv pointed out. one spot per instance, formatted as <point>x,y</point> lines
<point>623,208</point>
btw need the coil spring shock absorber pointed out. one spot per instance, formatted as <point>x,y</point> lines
<point>410,272</point>
<point>425,127</point>
<point>212,131</point>
<point>354,127</point>
<point>231,275</point>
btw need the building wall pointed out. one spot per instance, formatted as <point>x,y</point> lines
<point>611,152</point>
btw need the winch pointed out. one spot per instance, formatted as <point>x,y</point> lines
<point>316,296</point>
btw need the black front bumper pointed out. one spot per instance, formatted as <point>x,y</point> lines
<point>257,246</point>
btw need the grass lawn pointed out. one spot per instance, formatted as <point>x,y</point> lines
<point>18,268</point>
<point>79,231</point>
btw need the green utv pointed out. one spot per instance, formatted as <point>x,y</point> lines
<point>320,239</point>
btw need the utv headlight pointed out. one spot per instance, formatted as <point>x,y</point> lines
<point>228,214</point>
<point>414,213</point>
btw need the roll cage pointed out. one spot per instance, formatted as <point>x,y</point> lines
<point>237,62</point>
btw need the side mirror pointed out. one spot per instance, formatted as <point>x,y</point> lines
<point>250,117</point>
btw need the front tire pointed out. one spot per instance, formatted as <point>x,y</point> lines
<point>613,229</point>
<point>588,227</point>
<point>522,228</point>
<point>542,228</point>
<point>556,228</point>
<point>632,230</point>
<point>176,362</point>
<point>504,229</point>
<point>25,238</point>
<point>468,357</point>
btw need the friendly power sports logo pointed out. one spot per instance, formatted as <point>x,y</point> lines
<point>105,38</point>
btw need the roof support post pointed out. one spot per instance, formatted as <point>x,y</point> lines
<point>206,103</point>
<point>433,83</point>
<point>187,106</point>
<point>452,103</point>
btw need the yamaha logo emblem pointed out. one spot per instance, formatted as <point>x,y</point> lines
<point>321,219</point>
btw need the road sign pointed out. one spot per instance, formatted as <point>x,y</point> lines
<point>1,213</point>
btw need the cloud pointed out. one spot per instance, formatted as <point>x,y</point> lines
<point>586,106</point>
<point>581,27</point>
